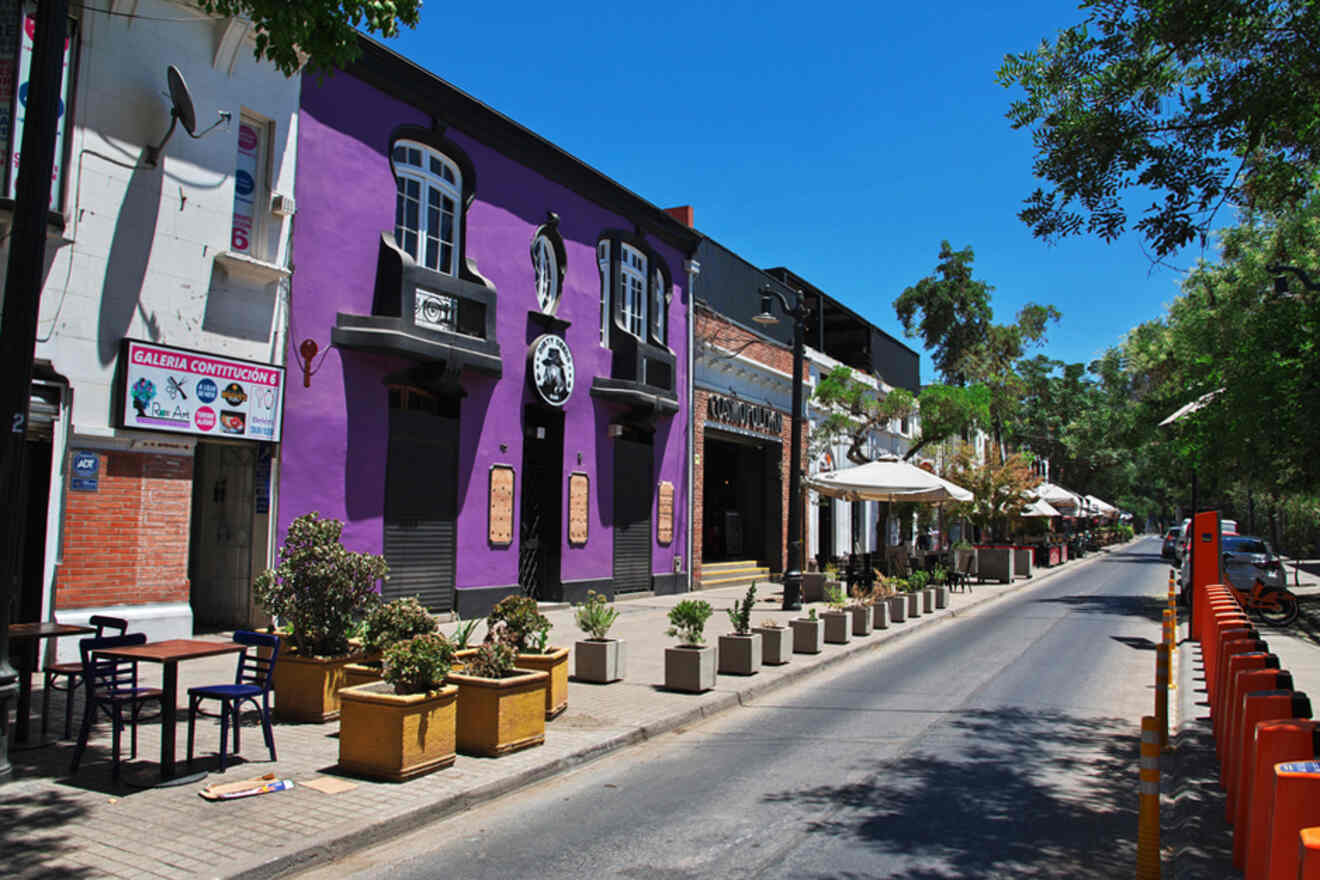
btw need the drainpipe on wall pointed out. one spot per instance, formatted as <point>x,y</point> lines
<point>693,269</point>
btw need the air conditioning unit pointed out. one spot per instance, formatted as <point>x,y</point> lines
<point>282,205</point>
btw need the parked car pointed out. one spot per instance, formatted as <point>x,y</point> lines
<point>1226,527</point>
<point>1170,542</point>
<point>1244,558</point>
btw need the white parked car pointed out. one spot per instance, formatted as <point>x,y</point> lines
<point>1244,560</point>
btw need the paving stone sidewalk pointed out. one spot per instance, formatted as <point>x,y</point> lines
<point>85,825</point>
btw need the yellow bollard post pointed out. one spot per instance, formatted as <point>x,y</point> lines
<point>1170,634</point>
<point>1162,693</point>
<point>1148,820</point>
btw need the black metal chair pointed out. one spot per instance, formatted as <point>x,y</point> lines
<point>960,576</point>
<point>71,673</point>
<point>111,685</point>
<point>251,680</point>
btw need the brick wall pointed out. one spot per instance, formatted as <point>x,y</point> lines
<point>712,328</point>
<point>127,544</point>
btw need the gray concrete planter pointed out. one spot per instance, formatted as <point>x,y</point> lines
<point>838,627</point>
<point>1022,561</point>
<point>599,661</point>
<point>928,600</point>
<point>897,608</point>
<point>995,563</point>
<point>775,646</point>
<point>913,604</point>
<point>740,655</point>
<point>880,614</point>
<point>808,635</point>
<point>941,597</point>
<point>861,619</point>
<point>813,586</point>
<point>690,669</point>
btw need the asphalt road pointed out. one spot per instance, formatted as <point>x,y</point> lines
<point>999,744</point>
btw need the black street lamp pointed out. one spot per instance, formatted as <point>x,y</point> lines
<point>798,312</point>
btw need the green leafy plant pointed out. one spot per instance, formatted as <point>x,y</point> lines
<point>917,580</point>
<point>834,597</point>
<point>319,588</point>
<point>419,664</point>
<point>740,615</point>
<point>496,655</point>
<point>811,614</point>
<point>526,625</point>
<point>688,619</point>
<point>463,632</point>
<point>899,585</point>
<point>940,576</point>
<point>390,622</point>
<point>595,616</point>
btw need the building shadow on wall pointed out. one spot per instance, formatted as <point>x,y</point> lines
<point>126,265</point>
<point>1008,805</point>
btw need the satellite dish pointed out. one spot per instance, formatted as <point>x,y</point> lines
<point>183,102</point>
<point>181,110</point>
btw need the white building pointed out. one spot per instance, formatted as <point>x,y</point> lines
<point>161,336</point>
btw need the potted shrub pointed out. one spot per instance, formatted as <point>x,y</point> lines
<point>317,590</point>
<point>898,602</point>
<point>404,725</point>
<point>879,603</point>
<point>808,633</point>
<point>690,666</point>
<point>919,583</point>
<point>461,640</point>
<point>838,622</point>
<point>860,609</point>
<point>939,579</point>
<point>530,631</point>
<point>740,651</point>
<point>501,708</point>
<point>597,658</point>
<point>387,623</point>
<point>775,649</point>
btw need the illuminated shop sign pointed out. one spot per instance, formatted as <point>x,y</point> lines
<point>191,392</point>
<point>744,415</point>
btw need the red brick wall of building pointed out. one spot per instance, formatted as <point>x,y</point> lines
<point>127,543</point>
<point>714,329</point>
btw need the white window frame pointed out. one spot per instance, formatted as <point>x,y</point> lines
<point>659,305</point>
<point>260,197</point>
<point>634,282</point>
<point>545,273</point>
<point>428,182</point>
<point>606,282</point>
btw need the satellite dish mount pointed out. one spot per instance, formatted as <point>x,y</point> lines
<point>182,110</point>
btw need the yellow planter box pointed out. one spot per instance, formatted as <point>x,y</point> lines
<point>360,673</point>
<point>383,735</point>
<point>307,688</point>
<point>500,715</point>
<point>555,664</point>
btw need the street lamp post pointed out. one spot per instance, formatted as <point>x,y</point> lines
<point>798,312</point>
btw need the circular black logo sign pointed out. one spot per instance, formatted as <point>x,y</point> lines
<point>552,369</point>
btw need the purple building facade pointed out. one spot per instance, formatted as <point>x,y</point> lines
<point>498,398</point>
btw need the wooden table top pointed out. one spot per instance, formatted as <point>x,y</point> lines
<point>47,629</point>
<point>171,650</point>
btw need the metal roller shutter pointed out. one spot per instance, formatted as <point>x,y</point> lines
<point>632,516</point>
<point>421,508</point>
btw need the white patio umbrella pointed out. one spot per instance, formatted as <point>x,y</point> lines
<point>887,479</point>
<point>1103,508</point>
<point>1068,503</point>
<point>1041,507</point>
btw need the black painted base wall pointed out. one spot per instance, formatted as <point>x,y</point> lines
<point>476,602</point>
<point>669,584</point>
<point>576,591</point>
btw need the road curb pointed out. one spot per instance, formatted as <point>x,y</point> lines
<point>351,837</point>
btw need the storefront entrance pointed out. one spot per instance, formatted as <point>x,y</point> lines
<point>632,514</point>
<point>220,549</point>
<point>740,500</point>
<point>421,498</point>
<point>540,512</point>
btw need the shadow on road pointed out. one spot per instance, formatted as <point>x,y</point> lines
<point>30,833</point>
<point>1146,607</point>
<point>1039,794</point>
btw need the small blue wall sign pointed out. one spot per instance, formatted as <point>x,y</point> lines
<point>86,472</point>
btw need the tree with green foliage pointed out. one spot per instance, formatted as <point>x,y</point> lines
<point>324,32</point>
<point>1201,102</point>
<point>949,311</point>
<point>1002,487</point>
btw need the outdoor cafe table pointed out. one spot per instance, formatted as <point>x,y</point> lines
<point>168,653</point>
<point>44,629</point>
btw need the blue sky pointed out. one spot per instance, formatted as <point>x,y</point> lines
<point>844,141</point>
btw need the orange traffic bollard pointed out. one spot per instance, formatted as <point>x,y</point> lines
<point>1309,852</point>
<point>1148,817</point>
<point>1162,693</point>
<point>1296,806</point>
<point>1284,739</point>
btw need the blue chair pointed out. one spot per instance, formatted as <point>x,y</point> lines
<point>111,685</point>
<point>71,673</point>
<point>252,680</point>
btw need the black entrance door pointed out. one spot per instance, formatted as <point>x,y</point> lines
<point>539,532</point>
<point>825,531</point>
<point>632,516</point>
<point>421,506</point>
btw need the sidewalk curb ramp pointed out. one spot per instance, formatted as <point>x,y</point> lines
<point>354,836</point>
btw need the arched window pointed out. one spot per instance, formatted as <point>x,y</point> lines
<point>427,204</point>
